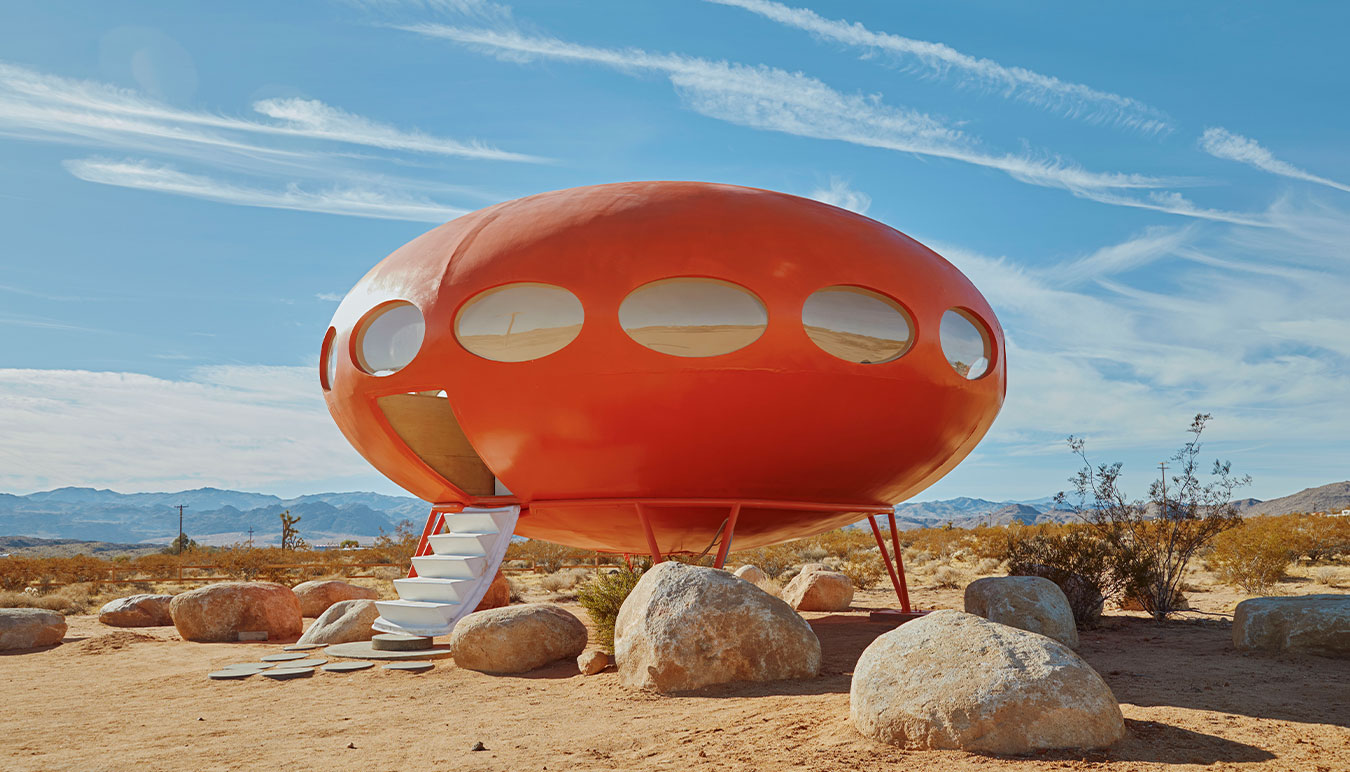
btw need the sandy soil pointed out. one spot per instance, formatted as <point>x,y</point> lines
<point>139,700</point>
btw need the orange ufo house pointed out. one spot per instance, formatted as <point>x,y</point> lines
<point>654,368</point>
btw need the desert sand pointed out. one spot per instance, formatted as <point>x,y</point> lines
<point>139,700</point>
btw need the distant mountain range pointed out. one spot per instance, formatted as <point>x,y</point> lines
<point>216,516</point>
<point>213,516</point>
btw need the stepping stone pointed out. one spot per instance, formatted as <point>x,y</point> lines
<point>231,674</point>
<point>255,666</point>
<point>285,673</point>
<point>412,667</point>
<point>398,642</point>
<point>286,657</point>
<point>306,663</point>
<point>364,650</point>
<point>302,647</point>
<point>346,667</point>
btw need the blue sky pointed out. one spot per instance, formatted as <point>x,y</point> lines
<point>1153,197</point>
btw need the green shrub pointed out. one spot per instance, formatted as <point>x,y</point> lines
<point>602,597</point>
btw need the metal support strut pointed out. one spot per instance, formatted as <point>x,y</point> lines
<point>897,576</point>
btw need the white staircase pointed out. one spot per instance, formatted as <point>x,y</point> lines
<point>451,581</point>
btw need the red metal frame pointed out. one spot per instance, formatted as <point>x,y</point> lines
<point>435,522</point>
<point>896,568</point>
<point>897,577</point>
<point>727,535</point>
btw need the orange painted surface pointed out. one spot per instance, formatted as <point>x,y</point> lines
<point>607,418</point>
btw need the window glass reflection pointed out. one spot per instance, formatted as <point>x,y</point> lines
<point>965,343</point>
<point>519,322</point>
<point>691,317</point>
<point>857,325</point>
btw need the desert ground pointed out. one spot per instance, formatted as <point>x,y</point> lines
<point>109,699</point>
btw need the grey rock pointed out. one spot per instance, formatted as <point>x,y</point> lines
<point>29,628</point>
<point>344,622</point>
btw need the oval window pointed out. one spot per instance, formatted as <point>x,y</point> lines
<point>693,317</point>
<point>857,325</point>
<point>519,322</point>
<point>390,338</point>
<point>328,362</point>
<point>966,343</point>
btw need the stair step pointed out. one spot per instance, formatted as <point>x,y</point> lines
<point>418,617</point>
<point>479,521</point>
<point>450,566</point>
<point>456,543</point>
<point>430,588</point>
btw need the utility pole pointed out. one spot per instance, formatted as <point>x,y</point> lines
<point>1162,468</point>
<point>250,537</point>
<point>181,507</point>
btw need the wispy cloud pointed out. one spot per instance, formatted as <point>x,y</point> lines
<point>39,106</point>
<point>313,119</point>
<point>356,202</point>
<point>1126,360</point>
<point>328,297</point>
<point>1153,244</point>
<point>1072,99</point>
<point>1222,143</point>
<point>793,103</point>
<point>245,427</point>
<point>841,195</point>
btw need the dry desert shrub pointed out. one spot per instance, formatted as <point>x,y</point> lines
<point>948,577</point>
<point>564,580</point>
<point>517,591</point>
<point>1316,538</point>
<point>72,599</point>
<point>988,566</point>
<point>1253,556</point>
<point>547,556</point>
<point>12,599</point>
<point>1326,575</point>
<point>864,569</point>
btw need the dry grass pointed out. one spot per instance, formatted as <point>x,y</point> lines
<point>1329,576</point>
<point>564,580</point>
<point>84,598</point>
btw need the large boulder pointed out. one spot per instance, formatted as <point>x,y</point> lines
<point>137,611</point>
<point>685,627</point>
<point>819,588</point>
<point>315,597</point>
<point>217,613</point>
<point>498,593</point>
<point>29,628</point>
<point>950,680</point>
<point>516,639</point>
<point>1025,602</point>
<point>1307,624</point>
<point>752,574</point>
<point>344,622</point>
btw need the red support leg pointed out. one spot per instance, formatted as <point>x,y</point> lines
<point>890,568</point>
<point>651,537</point>
<point>900,566</point>
<point>725,548</point>
<point>435,521</point>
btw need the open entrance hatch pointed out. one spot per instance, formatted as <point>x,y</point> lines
<point>427,425</point>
